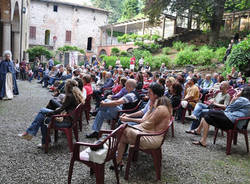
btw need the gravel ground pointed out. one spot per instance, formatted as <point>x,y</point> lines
<point>22,162</point>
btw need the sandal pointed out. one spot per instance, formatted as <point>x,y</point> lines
<point>199,143</point>
<point>194,132</point>
<point>119,167</point>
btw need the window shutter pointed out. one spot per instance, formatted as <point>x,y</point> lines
<point>68,36</point>
<point>32,32</point>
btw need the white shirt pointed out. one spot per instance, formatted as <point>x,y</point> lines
<point>141,61</point>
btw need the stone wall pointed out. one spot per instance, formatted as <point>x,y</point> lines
<point>82,22</point>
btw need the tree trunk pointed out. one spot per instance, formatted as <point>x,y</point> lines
<point>215,24</point>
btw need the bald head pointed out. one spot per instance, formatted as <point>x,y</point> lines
<point>130,85</point>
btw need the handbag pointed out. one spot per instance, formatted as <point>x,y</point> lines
<point>60,119</point>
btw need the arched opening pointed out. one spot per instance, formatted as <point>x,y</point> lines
<point>130,50</point>
<point>103,52</point>
<point>5,28</point>
<point>89,45</point>
<point>47,37</point>
<point>15,33</point>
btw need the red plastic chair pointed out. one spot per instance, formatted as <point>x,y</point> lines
<point>155,153</point>
<point>232,134</point>
<point>76,114</point>
<point>113,139</point>
<point>86,109</point>
<point>114,121</point>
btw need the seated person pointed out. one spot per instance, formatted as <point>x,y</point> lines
<point>216,86</point>
<point>155,91</point>
<point>58,76</point>
<point>205,86</point>
<point>109,108</point>
<point>122,92</point>
<point>175,94</point>
<point>239,108</point>
<point>73,97</point>
<point>221,100</point>
<point>152,122</point>
<point>87,85</point>
<point>97,93</point>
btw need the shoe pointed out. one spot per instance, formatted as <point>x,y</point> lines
<point>119,167</point>
<point>26,136</point>
<point>39,82</point>
<point>199,144</point>
<point>194,132</point>
<point>42,146</point>
<point>94,113</point>
<point>192,117</point>
<point>92,135</point>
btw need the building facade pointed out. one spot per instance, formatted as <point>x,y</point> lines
<point>56,23</point>
<point>14,16</point>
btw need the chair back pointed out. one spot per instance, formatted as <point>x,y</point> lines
<point>164,132</point>
<point>87,105</point>
<point>113,140</point>
<point>77,113</point>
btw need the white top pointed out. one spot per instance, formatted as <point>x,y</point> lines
<point>141,61</point>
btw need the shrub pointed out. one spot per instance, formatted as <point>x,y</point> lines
<point>220,53</point>
<point>110,60</point>
<point>204,55</point>
<point>70,48</point>
<point>56,62</point>
<point>179,45</point>
<point>240,56</point>
<point>139,53</point>
<point>158,60</point>
<point>102,56</point>
<point>187,56</point>
<point>166,50</point>
<point>38,51</point>
<point>125,62</point>
<point>124,53</point>
<point>81,63</point>
<point>115,51</point>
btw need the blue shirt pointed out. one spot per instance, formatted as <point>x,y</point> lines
<point>206,85</point>
<point>51,62</point>
<point>121,93</point>
<point>238,109</point>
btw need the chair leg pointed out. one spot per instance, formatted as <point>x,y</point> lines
<point>235,135</point>
<point>130,157</point>
<point>56,136</point>
<point>71,170</point>
<point>246,139</point>
<point>99,174</point>
<point>47,141</point>
<point>68,133</point>
<point>172,128</point>
<point>75,133</point>
<point>183,115</point>
<point>229,142</point>
<point>116,170</point>
<point>215,135</point>
<point>157,162</point>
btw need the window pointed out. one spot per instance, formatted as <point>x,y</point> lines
<point>47,37</point>
<point>32,32</point>
<point>55,7</point>
<point>89,45</point>
<point>68,36</point>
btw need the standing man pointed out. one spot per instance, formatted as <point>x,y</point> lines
<point>8,85</point>
<point>132,63</point>
<point>51,62</point>
<point>141,62</point>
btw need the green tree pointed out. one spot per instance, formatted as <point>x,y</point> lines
<point>237,5</point>
<point>209,11</point>
<point>130,9</point>
<point>115,6</point>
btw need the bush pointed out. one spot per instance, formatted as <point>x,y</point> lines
<point>158,60</point>
<point>81,63</point>
<point>151,47</point>
<point>110,60</point>
<point>70,48</point>
<point>139,53</point>
<point>166,50</point>
<point>38,51</point>
<point>102,56</point>
<point>179,45</point>
<point>56,62</point>
<point>187,56</point>
<point>204,55</point>
<point>115,51</point>
<point>220,53</point>
<point>240,56</point>
<point>124,54</point>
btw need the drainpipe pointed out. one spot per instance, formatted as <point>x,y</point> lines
<point>21,33</point>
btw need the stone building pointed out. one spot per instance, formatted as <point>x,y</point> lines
<point>13,26</point>
<point>55,23</point>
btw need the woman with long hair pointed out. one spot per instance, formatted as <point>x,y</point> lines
<point>73,97</point>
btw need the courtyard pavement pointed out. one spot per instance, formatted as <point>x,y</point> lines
<point>21,162</point>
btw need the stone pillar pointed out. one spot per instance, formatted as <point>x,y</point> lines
<point>6,36</point>
<point>111,35</point>
<point>163,27</point>
<point>126,29</point>
<point>16,46</point>
<point>101,37</point>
